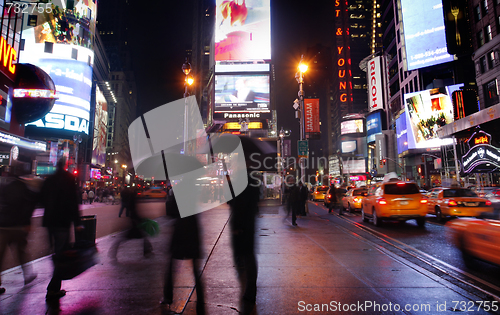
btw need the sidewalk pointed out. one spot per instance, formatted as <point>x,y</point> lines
<point>300,268</point>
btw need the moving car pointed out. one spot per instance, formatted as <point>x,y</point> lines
<point>153,193</point>
<point>456,201</point>
<point>394,200</point>
<point>319,193</point>
<point>476,238</point>
<point>353,199</point>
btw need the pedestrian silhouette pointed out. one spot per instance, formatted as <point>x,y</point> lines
<point>293,204</point>
<point>60,200</point>
<point>135,232</point>
<point>185,244</point>
<point>17,204</point>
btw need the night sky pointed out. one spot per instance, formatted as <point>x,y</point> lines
<point>159,40</point>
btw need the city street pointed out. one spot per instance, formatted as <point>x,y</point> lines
<point>425,247</point>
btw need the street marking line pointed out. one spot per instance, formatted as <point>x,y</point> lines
<point>436,260</point>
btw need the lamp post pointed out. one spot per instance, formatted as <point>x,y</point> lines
<point>188,81</point>
<point>302,68</point>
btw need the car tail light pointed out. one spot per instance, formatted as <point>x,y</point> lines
<point>423,201</point>
<point>452,203</point>
<point>382,201</point>
<point>497,193</point>
<point>356,199</point>
<point>488,203</point>
<point>329,196</point>
<point>316,192</point>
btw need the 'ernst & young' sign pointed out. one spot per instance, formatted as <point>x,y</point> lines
<point>7,56</point>
<point>480,154</point>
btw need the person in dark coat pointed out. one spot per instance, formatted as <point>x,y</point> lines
<point>60,199</point>
<point>17,204</point>
<point>333,200</point>
<point>303,194</point>
<point>185,244</point>
<point>135,232</point>
<point>293,199</point>
<point>125,199</point>
<point>244,209</point>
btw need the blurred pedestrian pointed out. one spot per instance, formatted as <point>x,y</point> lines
<point>60,200</point>
<point>135,232</point>
<point>293,199</point>
<point>244,209</point>
<point>85,197</point>
<point>91,196</point>
<point>185,244</point>
<point>303,194</point>
<point>333,199</point>
<point>125,200</point>
<point>17,204</point>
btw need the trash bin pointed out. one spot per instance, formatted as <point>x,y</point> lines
<point>88,234</point>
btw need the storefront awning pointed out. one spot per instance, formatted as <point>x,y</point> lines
<point>481,117</point>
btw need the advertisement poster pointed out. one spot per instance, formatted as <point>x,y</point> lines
<point>351,126</point>
<point>373,126</point>
<point>100,123</point>
<point>424,33</point>
<point>427,111</point>
<point>311,116</point>
<point>242,30</point>
<point>240,92</point>
<point>374,76</point>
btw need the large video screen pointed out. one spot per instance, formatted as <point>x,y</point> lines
<point>373,126</point>
<point>426,111</point>
<point>424,33</point>
<point>401,134</point>
<point>100,130</point>
<point>243,30</point>
<point>241,93</point>
<point>61,44</point>
<point>352,126</point>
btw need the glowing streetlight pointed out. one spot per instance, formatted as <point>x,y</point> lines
<point>302,68</point>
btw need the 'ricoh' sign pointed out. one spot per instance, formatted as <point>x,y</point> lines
<point>375,98</point>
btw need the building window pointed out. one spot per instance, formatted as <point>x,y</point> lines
<point>491,60</point>
<point>482,64</point>
<point>477,13</point>
<point>487,32</point>
<point>484,5</point>
<point>480,39</point>
<point>490,93</point>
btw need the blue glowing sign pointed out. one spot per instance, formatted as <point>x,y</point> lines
<point>424,33</point>
<point>373,126</point>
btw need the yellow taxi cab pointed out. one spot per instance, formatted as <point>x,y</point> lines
<point>353,199</point>
<point>476,238</point>
<point>319,193</point>
<point>394,200</point>
<point>153,193</point>
<point>457,202</point>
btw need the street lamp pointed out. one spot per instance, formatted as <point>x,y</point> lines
<point>302,68</point>
<point>188,81</point>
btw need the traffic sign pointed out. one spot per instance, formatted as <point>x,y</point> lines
<point>303,148</point>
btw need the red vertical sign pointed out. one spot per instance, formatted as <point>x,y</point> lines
<point>311,116</point>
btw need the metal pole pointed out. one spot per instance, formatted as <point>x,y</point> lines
<point>457,169</point>
<point>302,119</point>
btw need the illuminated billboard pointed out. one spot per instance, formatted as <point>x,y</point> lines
<point>424,33</point>
<point>374,76</point>
<point>242,93</point>
<point>349,146</point>
<point>373,126</point>
<point>351,166</point>
<point>100,128</point>
<point>401,134</point>
<point>243,30</point>
<point>426,111</point>
<point>351,126</point>
<point>61,45</point>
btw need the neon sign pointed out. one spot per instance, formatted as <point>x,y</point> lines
<point>342,63</point>
<point>7,56</point>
